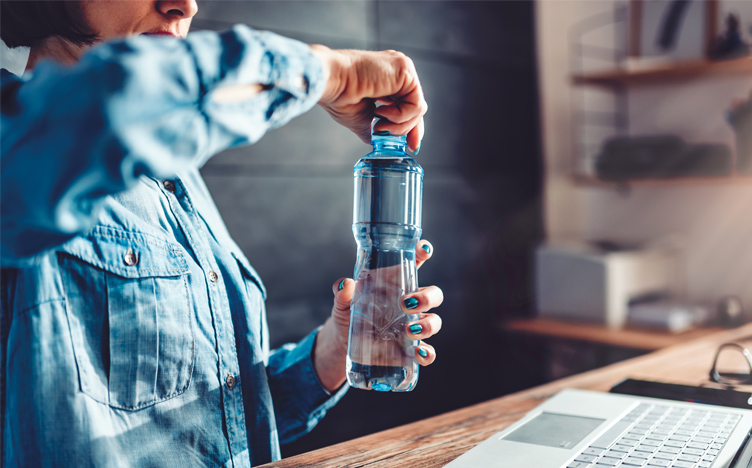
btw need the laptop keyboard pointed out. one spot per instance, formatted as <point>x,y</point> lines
<point>655,436</point>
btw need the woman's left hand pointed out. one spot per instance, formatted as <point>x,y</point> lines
<point>331,344</point>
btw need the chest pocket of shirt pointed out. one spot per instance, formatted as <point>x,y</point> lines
<point>128,310</point>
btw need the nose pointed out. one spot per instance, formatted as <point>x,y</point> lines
<point>178,8</point>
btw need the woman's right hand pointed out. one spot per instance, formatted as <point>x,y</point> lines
<point>357,80</point>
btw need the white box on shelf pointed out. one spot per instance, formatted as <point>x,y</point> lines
<point>585,281</point>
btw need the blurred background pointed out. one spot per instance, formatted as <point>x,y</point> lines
<point>586,189</point>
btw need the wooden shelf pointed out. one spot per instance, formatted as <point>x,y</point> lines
<point>665,72</point>
<point>593,181</point>
<point>631,338</point>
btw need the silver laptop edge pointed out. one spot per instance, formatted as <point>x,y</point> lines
<point>511,449</point>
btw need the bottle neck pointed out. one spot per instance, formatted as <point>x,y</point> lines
<point>383,145</point>
<point>384,142</point>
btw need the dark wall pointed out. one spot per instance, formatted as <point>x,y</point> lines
<point>288,199</point>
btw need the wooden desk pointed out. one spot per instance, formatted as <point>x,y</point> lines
<point>438,440</point>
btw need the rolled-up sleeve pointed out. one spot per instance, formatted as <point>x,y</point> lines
<point>300,401</point>
<point>72,135</point>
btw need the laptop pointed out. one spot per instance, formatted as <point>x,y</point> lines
<point>585,429</point>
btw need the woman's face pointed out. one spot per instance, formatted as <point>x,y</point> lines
<point>120,18</point>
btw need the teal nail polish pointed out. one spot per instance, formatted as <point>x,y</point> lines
<point>427,248</point>
<point>415,329</point>
<point>422,352</point>
<point>418,150</point>
<point>341,285</point>
<point>410,303</point>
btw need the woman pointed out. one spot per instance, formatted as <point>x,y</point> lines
<point>133,327</point>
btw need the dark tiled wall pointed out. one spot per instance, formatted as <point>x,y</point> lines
<point>288,199</point>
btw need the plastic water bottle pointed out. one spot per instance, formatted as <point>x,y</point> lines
<point>387,227</point>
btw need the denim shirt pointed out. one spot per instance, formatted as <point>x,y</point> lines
<point>133,329</point>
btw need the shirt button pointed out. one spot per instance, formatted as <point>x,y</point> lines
<point>213,276</point>
<point>230,381</point>
<point>130,258</point>
<point>169,185</point>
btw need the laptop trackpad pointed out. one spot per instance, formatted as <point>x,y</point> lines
<point>554,430</point>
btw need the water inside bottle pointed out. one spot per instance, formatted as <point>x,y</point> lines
<point>388,190</point>
<point>381,355</point>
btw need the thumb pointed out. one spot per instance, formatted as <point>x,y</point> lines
<point>343,290</point>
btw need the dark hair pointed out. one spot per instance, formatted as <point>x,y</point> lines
<point>28,22</point>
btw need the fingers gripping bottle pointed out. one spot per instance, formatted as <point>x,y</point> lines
<point>387,227</point>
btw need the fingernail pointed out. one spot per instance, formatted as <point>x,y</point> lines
<point>427,248</point>
<point>422,352</point>
<point>417,150</point>
<point>341,285</point>
<point>410,303</point>
<point>415,329</point>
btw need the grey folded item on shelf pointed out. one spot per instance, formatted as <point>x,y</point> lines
<point>661,156</point>
<point>674,317</point>
<point>740,119</point>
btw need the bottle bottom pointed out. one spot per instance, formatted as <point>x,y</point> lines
<point>381,378</point>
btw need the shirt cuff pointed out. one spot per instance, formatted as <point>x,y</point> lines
<point>297,391</point>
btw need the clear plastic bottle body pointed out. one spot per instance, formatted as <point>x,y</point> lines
<point>387,227</point>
